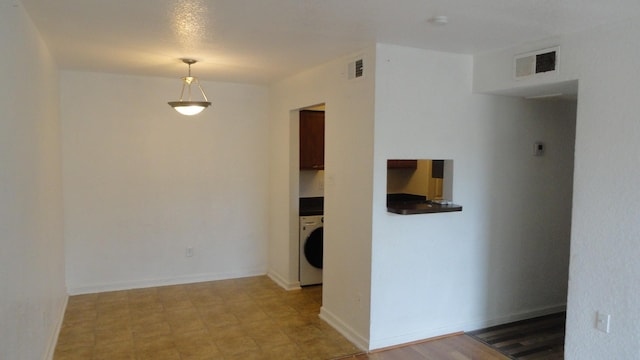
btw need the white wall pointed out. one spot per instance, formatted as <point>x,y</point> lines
<point>604,269</point>
<point>311,183</point>
<point>347,188</point>
<point>142,183</point>
<point>32,290</point>
<point>505,256</point>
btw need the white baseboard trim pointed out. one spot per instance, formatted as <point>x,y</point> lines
<point>358,340</point>
<point>53,341</point>
<point>138,284</point>
<point>548,310</point>
<point>381,343</point>
<point>377,344</point>
<point>282,282</point>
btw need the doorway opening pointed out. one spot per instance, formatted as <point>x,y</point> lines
<point>311,194</point>
<point>543,178</point>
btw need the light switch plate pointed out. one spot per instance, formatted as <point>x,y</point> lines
<point>538,148</point>
<point>603,322</point>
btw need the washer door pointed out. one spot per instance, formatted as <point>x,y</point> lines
<point>313,248</point>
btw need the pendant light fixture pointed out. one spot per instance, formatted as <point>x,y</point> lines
<point>190,107</point>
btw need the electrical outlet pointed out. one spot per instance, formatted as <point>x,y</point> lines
<point>189,252</point>
<point>603,322</point>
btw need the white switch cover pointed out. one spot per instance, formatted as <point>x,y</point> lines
<point>603,321</point>
<point>538,148</point>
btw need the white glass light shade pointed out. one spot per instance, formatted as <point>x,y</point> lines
<point>189,107</point>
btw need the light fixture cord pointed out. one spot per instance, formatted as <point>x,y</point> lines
<point>201,91</point>
<point>182,92</point>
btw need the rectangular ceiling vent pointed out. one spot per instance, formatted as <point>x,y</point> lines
<point>356,69</point>
<point>536,63</point>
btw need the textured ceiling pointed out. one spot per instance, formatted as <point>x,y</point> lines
<point>259,41</point>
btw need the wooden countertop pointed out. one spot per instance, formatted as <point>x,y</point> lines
<point>409,204</point>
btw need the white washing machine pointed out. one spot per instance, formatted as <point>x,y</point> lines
<point>311,249</point>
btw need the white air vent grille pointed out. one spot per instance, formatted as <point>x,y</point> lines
<point>356,69</point>
<point>535,63</point>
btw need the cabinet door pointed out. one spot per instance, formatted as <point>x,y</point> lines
<point>402,164</point>
<point>311,140</point>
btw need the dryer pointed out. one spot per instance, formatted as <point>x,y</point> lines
<point>311,249</point>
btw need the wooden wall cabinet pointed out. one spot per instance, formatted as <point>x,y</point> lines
<point>311,140</point>
<point>402,164</point>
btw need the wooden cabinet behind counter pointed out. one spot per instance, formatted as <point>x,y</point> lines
<point>402,164</point>
<point>311,140</point>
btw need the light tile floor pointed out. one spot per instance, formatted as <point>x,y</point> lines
<point>248,318</point>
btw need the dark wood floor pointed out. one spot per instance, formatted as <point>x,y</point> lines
<point>457,347</point>
<point>538,338</point>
